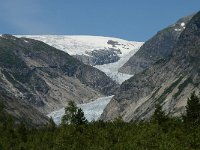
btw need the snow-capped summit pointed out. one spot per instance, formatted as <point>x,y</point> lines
<point>105,53</point>
<point>80,44</point>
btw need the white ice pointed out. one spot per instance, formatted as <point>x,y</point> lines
<point>92,110</point>
<point>111,69</point>
<point>78,44</point>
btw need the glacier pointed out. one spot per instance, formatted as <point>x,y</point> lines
<point>111,69</point>
<point>92,110</point>
<point>82,45</point>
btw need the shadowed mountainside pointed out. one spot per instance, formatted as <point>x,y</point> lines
<point>45,78</point>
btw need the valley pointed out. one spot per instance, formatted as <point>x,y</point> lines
<point>137,74</point>
<point>99,75</point>
<point>92,110</point>
<point>83,46</point>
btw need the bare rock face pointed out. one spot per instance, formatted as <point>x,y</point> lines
<point>23,112</point>
<point>99,57</point>
<point>158,47</point>
<point>168,82</point>
<point>44,78</point>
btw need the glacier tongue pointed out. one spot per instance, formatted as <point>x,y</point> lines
<point>111,69</point>
<point>92,110</point>
<point>84,46</point>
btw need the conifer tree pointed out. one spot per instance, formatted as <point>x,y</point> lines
<point>1,107</point>
<point>79,117</point>
<point>192,110</point>
<point>22,132</point>
<point>1,112</point>
<point>159,115</point>
<point>70,112</point>
<point>51,125</point>
<point>73,115</point>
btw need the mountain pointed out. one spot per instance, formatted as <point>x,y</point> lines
<point>37,79</point>
<point>22,112</point>
<point>158,47</point>
<point>168,82</point>
<point>105,53</point>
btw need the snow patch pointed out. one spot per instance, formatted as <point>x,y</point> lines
<point>178,30</point>
<point>92,110</point>
<point>182,24</point>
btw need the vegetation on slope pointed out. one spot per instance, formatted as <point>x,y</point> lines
<point>161,132</point>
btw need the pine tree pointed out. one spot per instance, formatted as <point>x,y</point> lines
<point>51,125</point>
<point>22,132</point>
<point>2,115</point>
<point>1,107</point>
<point>73,115</point>
<point>80,118</point>
<point>159,115</point>
<point>70,112</point>
<point>192,110</point>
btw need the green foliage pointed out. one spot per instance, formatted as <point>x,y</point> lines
<point>79,117</point>
<point>51,125</point>
<point>159,115</point>
<point>182,86</point>
<point>168,90</point>
<point>22,132</point>
<point>103,135</point>
<point>73,115</point>
<point>162,133</point>
<point>192,115</point>
<point>70,112</point>
<point>1,107</point>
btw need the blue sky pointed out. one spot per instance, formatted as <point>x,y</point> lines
<point>128,19</point>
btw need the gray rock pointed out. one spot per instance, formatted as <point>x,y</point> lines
<point>45,78</point>
<point>169,82</point>
<point>99,57</point>
<point>158,47</point>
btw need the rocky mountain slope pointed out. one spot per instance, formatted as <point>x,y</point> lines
<point>158,47</point>
<point>168,82</point>
<point>105,53</point>
<point>21,111</point>
<point>38,78</point>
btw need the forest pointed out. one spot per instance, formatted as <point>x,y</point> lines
<point>161,132</point>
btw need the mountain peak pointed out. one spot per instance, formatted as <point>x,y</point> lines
<point>167,82</point>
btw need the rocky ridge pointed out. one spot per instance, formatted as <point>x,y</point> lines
<point>168,82</point>
<point>107,54</point>
<point>158,47</point>
<point>44,78</point>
